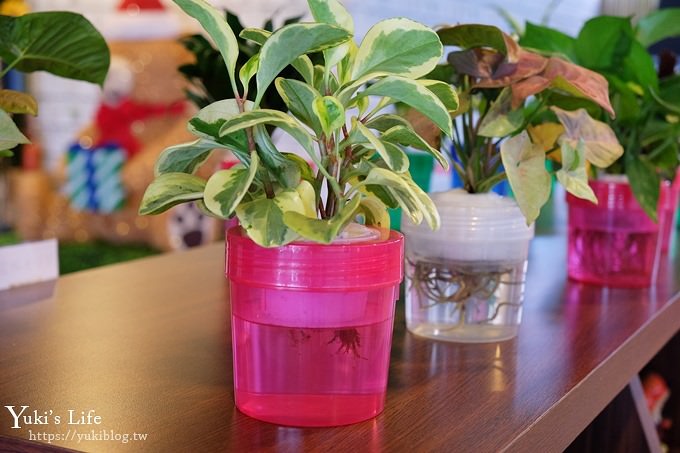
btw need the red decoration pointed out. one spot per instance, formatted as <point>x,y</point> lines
<point>114,122</point>
<point>140,5</point>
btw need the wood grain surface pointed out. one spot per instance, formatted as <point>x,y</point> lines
<point>146,345</point>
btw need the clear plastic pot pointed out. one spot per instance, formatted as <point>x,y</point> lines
<point>465,282</point>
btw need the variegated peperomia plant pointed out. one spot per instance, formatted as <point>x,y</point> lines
<point>355,148</point>
<point>529,107</point>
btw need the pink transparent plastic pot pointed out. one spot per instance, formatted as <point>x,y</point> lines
<point>312,327</point>
<point>614,243</point>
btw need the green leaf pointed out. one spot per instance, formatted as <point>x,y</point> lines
<point>548,40</point>
<point>170,189</point>
<point>644,181</point>
<point>185,157</point>
<point>318,230</point>
<point>658,25</point>
<point>387,121</point>
<point>604,42</point>
<point>416,204</point>
<point>273,117</point>
<point>398,46</point>
<point>207,123</point>
<point>10,135</point>
<point>306,172</point>
<point>573,175</point>
<point>226,188</point>
<point>524,164</point>
<point>248,70</point>
<point>215,24</point>
<point>374,212</point>
<point>263,218</point>
<point>17,102</point>
<point>63,43</point>
<point>308,196</point>
<point>330,113</point>
<point>332,12</point>
<point>469,36</point>
<point>393,156</point>
<point>640,65</point>
<point>302,64</point>
<point>501,120</point>
<point>415,95</point>
<point>444,92</point>
<point>600,143</point>
<point>408,137</point>
<point>286,171</point>
<point>288,43</point>
<point>299,98</point>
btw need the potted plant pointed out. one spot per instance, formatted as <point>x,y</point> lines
<point>312,293</point>
<point>616,242</point>
<point>28,43</point>
<point>465,282</point>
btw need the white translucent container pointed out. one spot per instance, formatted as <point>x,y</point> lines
<point>465,281</point>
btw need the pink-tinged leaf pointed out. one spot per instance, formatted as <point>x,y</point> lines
<point>527,87</point>
<point>579,81</point>
<point>471,36</point>
<point>506,74</point>
<point>524,164</point>
<point>479,63</point>
<point>599,140</point>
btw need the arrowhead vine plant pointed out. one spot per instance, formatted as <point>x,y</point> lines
<point>530,107</point>
<point>646,102</point>
<point>359,165</point>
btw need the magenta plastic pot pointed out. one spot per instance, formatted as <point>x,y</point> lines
<point>669,204</point>
<point>614,243</point>
<point>312,327</point>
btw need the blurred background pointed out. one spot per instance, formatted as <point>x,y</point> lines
<point>47,188</point>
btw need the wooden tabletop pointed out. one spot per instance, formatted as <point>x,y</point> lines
<point>146,346</point>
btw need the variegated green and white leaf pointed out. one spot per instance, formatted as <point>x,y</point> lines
<point>332,12</point>
<point>288,43</point>
<point>248,70</point>
<point>10,135</point>
<point>393,156</point>
<point>287,172</point>
<point>185,157</point>
<point>306,172</point>
<point>308,197</point>
<point>524,164</point>
<point>209,120</point>
<point>12,101</point>
<point>408,137</point>
<point>444,92</point>
<point>600,143</point>
<point>398,46</point>
<point>170,189</point>
<point>226,188</point>
<point>411,198</point>
<point>299,98</point>
<point>318,230</point>
<point>273,117</point>
<point>302,64</point>
<point>263,218</point>
<point>573,175</point>
<point>387,121</point>
<point>501,120</point>
<point>330,113</point>
<point>374,212</point>
<point>415,95</point>
<point>215,24</point>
